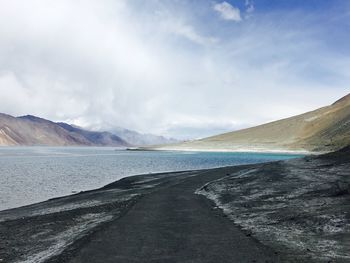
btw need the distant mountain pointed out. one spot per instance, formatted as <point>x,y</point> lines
<point>324,129</point>
<point>97,138</point>
<point>131,137</point>
<point>31,130</point>
<point>139,139</point>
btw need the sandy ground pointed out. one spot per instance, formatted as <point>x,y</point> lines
<point>194,216</point>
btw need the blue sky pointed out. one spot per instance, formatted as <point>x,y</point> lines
<point>185,69</point>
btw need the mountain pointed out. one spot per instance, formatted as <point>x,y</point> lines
<point>97,138</point>
<point>31,130</point>
<point>324,129</point>
<point>136,138</point>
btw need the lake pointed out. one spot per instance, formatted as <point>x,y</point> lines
<point>33,174</point>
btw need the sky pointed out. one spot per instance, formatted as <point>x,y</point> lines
<point>179,68</point>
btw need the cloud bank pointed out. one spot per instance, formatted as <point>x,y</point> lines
<point>168,67</point>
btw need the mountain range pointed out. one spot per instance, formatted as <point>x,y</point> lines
<point>31,130</point>
<point>324,129</point>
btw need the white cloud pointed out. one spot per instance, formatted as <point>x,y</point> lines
<point>188,32</point>
<point>228,11</point>
<point>180,28</point>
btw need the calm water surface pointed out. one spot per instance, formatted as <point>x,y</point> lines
<point>33,174</point>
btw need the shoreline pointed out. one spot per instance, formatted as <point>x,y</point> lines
<point>74,220</point>
<point>85,227</point>
<point>35,194</point>
<point>165,149</point>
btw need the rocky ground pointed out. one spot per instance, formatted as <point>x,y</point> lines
<point>300,207</point>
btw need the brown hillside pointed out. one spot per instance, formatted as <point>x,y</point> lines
<point>324,129</point>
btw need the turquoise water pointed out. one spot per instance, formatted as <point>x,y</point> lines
<point>34,174</point>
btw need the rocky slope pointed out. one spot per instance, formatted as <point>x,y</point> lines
<point>324,129</point>
<point>30,130</point>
